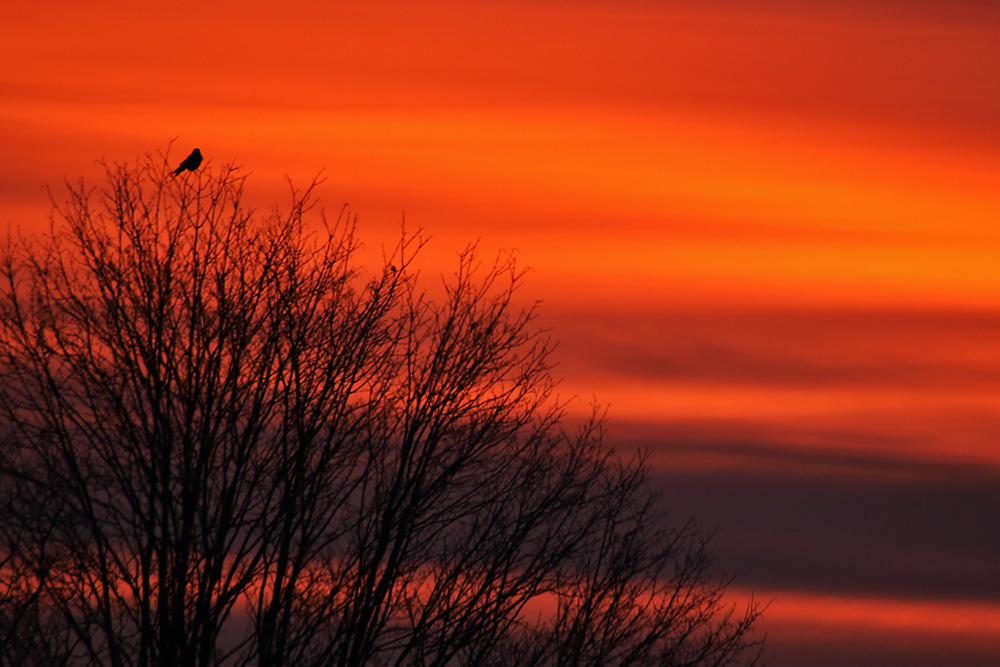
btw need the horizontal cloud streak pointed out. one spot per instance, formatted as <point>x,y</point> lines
<point>871,527</point>
<point>832,631</point>
<point>789,347</point>
<point>917,384</point>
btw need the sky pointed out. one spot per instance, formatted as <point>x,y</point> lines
<point>765,233</point>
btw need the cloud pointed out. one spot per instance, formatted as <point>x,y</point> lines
<point>843,523</point>
<point>821,630</point>
<point>787,347</point>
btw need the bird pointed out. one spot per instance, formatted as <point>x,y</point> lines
<point>190,163</point>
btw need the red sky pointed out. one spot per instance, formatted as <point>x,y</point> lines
<point>766,234</point>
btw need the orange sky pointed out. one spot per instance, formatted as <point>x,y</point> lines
<point>839,154</point>
<point>766,233</point>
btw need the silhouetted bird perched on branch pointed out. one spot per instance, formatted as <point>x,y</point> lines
<point>191,162</point>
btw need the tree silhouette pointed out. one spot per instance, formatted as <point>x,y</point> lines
<point>225,443</point>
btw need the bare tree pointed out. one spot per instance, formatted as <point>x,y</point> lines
<point>26,560</point>
<point>225,443</point>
